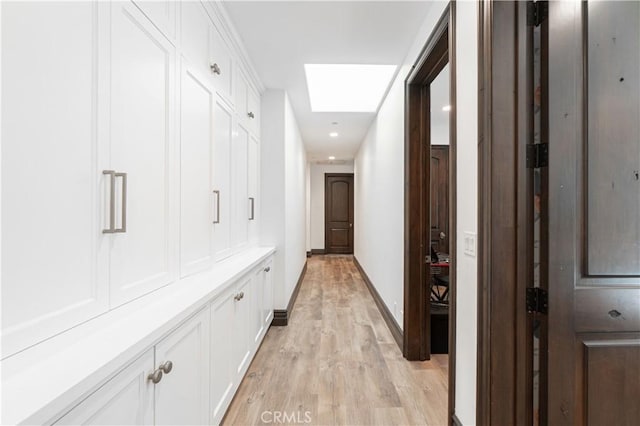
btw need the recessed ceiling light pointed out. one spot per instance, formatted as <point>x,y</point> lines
<point>347,87</point>
<point>332,158</point>
<point>446,108</point>
<point>333,134</point>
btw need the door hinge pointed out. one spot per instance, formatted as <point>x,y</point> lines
<point>537,155</point>
<point>537,300</point>
<point>537,12</point>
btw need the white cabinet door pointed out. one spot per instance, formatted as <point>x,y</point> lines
<point>221,64</point>
<point>182,396</point>
<point>267,294</point>
<point>241,93</point>
<point>222,136</point>
<point>257,321</point>
<point>162,14</point>
<point>223,366</point>
<point>142,98</point>
<point>253,189</point>
<point>195,35</point>
<point>253,111</point>
<point>240,200</point>
<point>54,257</point>
<point>243,323</point>
<point>196,171</point>
<point>126,399</point>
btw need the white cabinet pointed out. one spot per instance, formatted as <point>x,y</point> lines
<point>222,135</point>
<point>221,61</point>
<point>162,13</point>
<point>223,335</point>
<point>253,111</point>
<point>197,102</point>
<point>141,133</point>
<point>54,255</point>
<point>126,399</point>
<point>240,184</point>
<point>247,103</point>
<point>182,396</point>
<point>243,323</point>
<point>253,184</point>
<point>169,384</point>
<point>267,294</point>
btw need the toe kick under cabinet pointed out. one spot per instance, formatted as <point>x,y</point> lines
<point>191,375</point>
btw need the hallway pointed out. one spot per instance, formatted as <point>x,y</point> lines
<point>337,363</point>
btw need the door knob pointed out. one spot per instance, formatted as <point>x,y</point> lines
<point>442,235</point>
<point>155,377</point>
<point>166,367</point>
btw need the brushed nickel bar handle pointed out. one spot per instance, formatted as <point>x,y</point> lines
<point>112,202</point>
<point>217,194</point>
<point>123,228</point>
<point>253,203</point>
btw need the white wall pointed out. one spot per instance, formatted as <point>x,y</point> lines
<point>283,187</point>
<point>379,198</point>
<point>317,199</point>
<point>467,208</point>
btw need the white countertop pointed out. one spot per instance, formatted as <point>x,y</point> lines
<point>41,382</point>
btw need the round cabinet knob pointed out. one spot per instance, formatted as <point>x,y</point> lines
<point>155,377</point>
<point>242,295</point>
<point>215,69</point>
<point>166,367</point>
<point>251,114</point>
<point>267,269</point>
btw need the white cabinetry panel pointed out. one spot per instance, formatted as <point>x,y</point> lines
<point>222,134</point>
<point>54,257</point>
<point>243,321</point>
<point>221,56</point>
<point>162,14</point>
<point>267,295</point>
<point>239,157</point>
<point>142,102</point>
<point>196,197</point>
<point>253,188</point>
<point>195,31</point>
<point>223,336</point>
<point>182,396</point>
<point>127,399</point>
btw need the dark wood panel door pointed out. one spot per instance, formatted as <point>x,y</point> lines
<point>338,225</point>
<point>594,213</point>
<point>440,198</point>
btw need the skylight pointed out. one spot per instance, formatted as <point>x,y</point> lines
<point>347,87</point>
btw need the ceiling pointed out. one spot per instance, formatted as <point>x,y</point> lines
<point>281,36</point>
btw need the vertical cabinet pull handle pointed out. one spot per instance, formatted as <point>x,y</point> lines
<point>252,214</point>
<point>217,194</point>
<point>112,202</point>
<point>123,228</point>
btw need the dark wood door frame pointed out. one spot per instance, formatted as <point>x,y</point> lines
<point>327,206</point>
<point>437,52</point>
<point>505,223</point>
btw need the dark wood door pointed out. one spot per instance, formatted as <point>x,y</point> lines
<point>440,198</point>
<point>338,226</point>
<point>594,213</point>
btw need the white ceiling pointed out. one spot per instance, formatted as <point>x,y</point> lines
<point>281,36</point>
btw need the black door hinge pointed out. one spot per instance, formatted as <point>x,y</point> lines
<point>537,300</point>
<point>537,12</point>
<point>537,155</point>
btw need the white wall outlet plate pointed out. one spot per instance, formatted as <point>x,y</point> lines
<point>469,243</point>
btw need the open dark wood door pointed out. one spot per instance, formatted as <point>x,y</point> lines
<point>440,198</point>
<point>594,213</point>
<point>338,213</point>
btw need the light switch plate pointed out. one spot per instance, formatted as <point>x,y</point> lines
<point>470,243</point>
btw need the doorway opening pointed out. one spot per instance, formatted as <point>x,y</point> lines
<point>430,201</point>
<point>338,217</point>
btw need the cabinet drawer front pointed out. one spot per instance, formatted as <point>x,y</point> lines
<point>142,105</point>
<point>126,399</point>
<point>52,160</point>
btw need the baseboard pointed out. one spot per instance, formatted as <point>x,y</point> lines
<point>318,251</point>
<point>281,316</point>
<point>393,326</point>
<point>455,420</point>
<point>309,253</point>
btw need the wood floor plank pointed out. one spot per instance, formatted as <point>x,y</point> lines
<point>336,363</point>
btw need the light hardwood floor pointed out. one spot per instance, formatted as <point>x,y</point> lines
<point>336,362</point>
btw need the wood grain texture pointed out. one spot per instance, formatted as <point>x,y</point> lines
<point>337,362</point>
